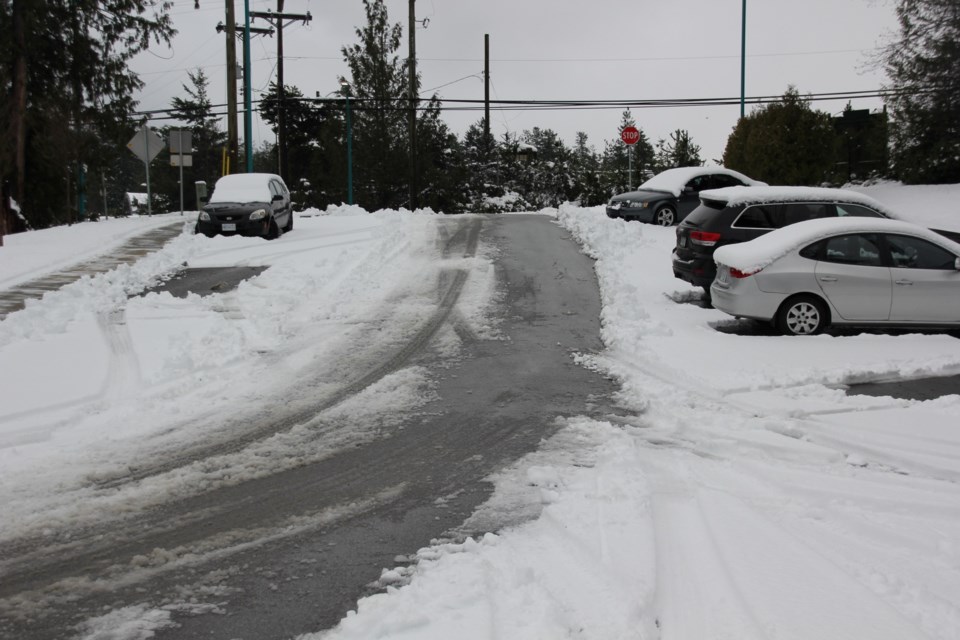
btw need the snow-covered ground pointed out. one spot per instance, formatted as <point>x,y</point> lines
<point>740,494</point>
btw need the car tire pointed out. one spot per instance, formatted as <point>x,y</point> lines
<point>287,228</point>
<point>666,216</point>
<point>802,315</point>
<point>273,231</point>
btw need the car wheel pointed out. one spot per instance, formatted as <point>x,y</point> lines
<point>666,216</point>
<point>273,231</point>
<point>802,316</point>
<point>289,226</point>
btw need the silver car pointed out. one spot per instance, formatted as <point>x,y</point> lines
<point>841,271</point>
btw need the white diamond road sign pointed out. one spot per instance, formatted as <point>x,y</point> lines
<point>145,144</point>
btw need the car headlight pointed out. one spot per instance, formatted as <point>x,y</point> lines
<point>204,216</point>
<point>259,214</point>
<point>640,204</point>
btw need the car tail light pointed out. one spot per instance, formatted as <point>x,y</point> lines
<point>704,238</point>
<point>736,273</point>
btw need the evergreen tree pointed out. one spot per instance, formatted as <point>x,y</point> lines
<point>585,172</point>
<point>483,180</point>
<point>306,141</point>
<point>378,83</point>
<point>71,87</point>
<point>616,161</point>
<point>679,151</point>
<point>924,69</point>
<point>441,166</point>
<point>196,110</point>
<point>784,142</point>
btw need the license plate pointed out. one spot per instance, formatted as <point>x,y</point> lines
<point>682,241</point>
<point>229,226</point>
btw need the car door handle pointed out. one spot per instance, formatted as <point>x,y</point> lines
<point>905,283</point>
<point>827,279</point>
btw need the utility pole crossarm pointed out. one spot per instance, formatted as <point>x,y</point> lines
<point>276,20</point>
<point>269,15</point>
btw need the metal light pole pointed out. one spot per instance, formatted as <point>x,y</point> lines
<point>345,87</point>
<point>743,57</point>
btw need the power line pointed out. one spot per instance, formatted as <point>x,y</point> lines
<point>561,105</point>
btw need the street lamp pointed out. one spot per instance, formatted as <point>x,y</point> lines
<point>743,56</point>
<point>345,88</point>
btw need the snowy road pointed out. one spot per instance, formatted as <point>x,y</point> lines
<point>354,502</point>
<point>156,482</point>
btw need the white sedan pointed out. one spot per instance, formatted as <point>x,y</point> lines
<point>841,271</point>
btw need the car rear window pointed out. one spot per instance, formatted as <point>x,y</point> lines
<point>707,211</point>
<point>857,210</point>
<point>761,216</point>
<point>775,216</point>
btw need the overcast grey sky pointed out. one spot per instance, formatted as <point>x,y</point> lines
<point>561,50</point>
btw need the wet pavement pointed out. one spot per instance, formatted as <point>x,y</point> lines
<point>919,389</point>
<point>15,298</point>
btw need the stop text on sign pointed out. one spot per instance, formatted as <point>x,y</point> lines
<point>630,135</point>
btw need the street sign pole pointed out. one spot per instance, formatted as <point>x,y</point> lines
<point>146,163</point>
<point>180,145</point>
<point>630,136</point>
<point>145,144</point>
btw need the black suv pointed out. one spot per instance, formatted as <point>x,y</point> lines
<point>739,214</point>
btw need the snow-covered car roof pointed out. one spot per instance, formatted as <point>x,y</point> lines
<point>734,196</point>
<point>673,180</point>
<point>754,255</point>
<point>243,187</point>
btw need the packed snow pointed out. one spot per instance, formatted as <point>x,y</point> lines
<point>243,187</point>
<point>734,196</point>
<point>674,180</point>
<point>739,493</point>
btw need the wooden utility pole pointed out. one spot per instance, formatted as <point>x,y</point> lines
<point>276,20</point>
<point>414,188</point>
<point>245,31</point>
<point>233,147</point>
<point>486,92</point>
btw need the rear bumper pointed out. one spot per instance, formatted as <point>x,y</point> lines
<point>699,272</point>
<point>746,301</point>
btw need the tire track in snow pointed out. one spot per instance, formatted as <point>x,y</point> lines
<point>451,282</point>
<point>123,374</point>
<point>722,564</point>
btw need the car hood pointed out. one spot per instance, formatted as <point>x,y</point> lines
<point>644,195</point>
<point>220,206</point>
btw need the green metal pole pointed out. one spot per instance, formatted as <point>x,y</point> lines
<point>349,154</point>
<point>743,58</point>
<point>247,102</point>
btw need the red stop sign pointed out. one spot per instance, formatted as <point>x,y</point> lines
<point>630,135</point>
